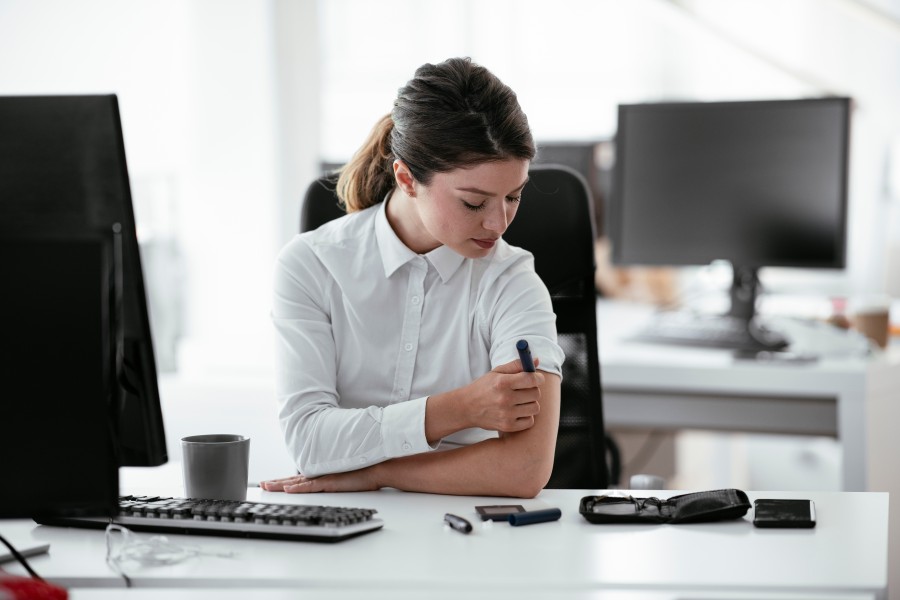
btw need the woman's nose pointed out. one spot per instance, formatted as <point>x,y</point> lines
<point>497,219</point>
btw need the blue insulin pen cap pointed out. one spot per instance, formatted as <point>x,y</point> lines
<point>534,516</point>
<point>525,356</point>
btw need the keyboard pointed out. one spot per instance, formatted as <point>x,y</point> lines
<point>231,518</point>
<point>710,330</point>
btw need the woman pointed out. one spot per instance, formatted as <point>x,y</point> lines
<point>397,323</point>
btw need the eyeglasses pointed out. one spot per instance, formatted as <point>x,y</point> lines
<point>122,545</point>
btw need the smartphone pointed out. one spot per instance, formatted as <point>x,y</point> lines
<point>784,513</point>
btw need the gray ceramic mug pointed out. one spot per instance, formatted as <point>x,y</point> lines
<point>216,466</point>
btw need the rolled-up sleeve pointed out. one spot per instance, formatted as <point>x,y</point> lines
<point>520,308</point>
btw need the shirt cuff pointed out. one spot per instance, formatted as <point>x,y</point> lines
<point>403,428</point>
<point>551,355</point>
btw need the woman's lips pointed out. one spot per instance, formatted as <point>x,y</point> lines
<point>486,244</point>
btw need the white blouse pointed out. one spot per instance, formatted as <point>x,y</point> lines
<point>366,329</point>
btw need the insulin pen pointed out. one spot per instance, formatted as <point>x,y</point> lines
<point>535,516</point>
<point>525,356</point>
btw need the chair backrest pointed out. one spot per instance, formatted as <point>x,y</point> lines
<point>556,224</point>
<point>320,204</point>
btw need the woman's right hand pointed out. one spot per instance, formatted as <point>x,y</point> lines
<point>505,399</point>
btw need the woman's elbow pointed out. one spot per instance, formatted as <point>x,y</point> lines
<point>532,477</point>
<point>309,463</point>
<point>527,491</point>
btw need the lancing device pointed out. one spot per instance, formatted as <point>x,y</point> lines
<point>525,356</point>
<point>457,523</point>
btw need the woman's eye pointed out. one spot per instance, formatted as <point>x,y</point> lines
<point>474,207</point>
<point>513,199</point>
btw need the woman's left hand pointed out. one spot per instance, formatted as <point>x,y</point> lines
<point>352,481</point>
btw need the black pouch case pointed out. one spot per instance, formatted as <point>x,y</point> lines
<point>696,507</point>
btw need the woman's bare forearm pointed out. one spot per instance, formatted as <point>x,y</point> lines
<point>516,464</point>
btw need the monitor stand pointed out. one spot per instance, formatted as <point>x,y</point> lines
<point>745,288</point>
<point>739,329</point>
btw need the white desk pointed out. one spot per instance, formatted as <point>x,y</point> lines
<point>853,398</point>
<point>844,556</point>
<point>436,594</point>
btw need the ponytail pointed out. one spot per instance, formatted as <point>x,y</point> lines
<point>452,115</point>
<point>369,176</point>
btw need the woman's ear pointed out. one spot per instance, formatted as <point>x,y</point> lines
<point>404,178</point>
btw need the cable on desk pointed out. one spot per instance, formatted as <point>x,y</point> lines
<point>112,558</point>
<point>18,556</point>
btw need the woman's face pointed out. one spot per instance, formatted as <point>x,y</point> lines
<point>469,209</point>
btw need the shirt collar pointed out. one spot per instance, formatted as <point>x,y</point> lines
<point>395,254</point>
<point>445,261</point>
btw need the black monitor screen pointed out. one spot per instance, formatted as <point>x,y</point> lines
<point>64,180</point>
<point>56,348</point>
<point>760,183</point>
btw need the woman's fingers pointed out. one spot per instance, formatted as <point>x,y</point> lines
<point>300,488</point>
<point>278,485</point>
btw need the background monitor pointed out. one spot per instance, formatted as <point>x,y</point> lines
<point>759,183</point>
<point>63,189</point>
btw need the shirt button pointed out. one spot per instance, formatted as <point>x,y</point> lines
<point>362,460</point>
<point>415,299</point>
<point>408,347</point>
<point>406,447</point>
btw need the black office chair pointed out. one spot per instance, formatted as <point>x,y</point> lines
<point>320,204</point>
<point>556,224</point>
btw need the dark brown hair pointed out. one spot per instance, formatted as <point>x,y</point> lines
<point>452,115</point>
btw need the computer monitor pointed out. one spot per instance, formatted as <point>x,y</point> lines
<point>755,183</point>
<point>80,395</point>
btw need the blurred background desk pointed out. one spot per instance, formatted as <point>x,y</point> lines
<point>851,397</point>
